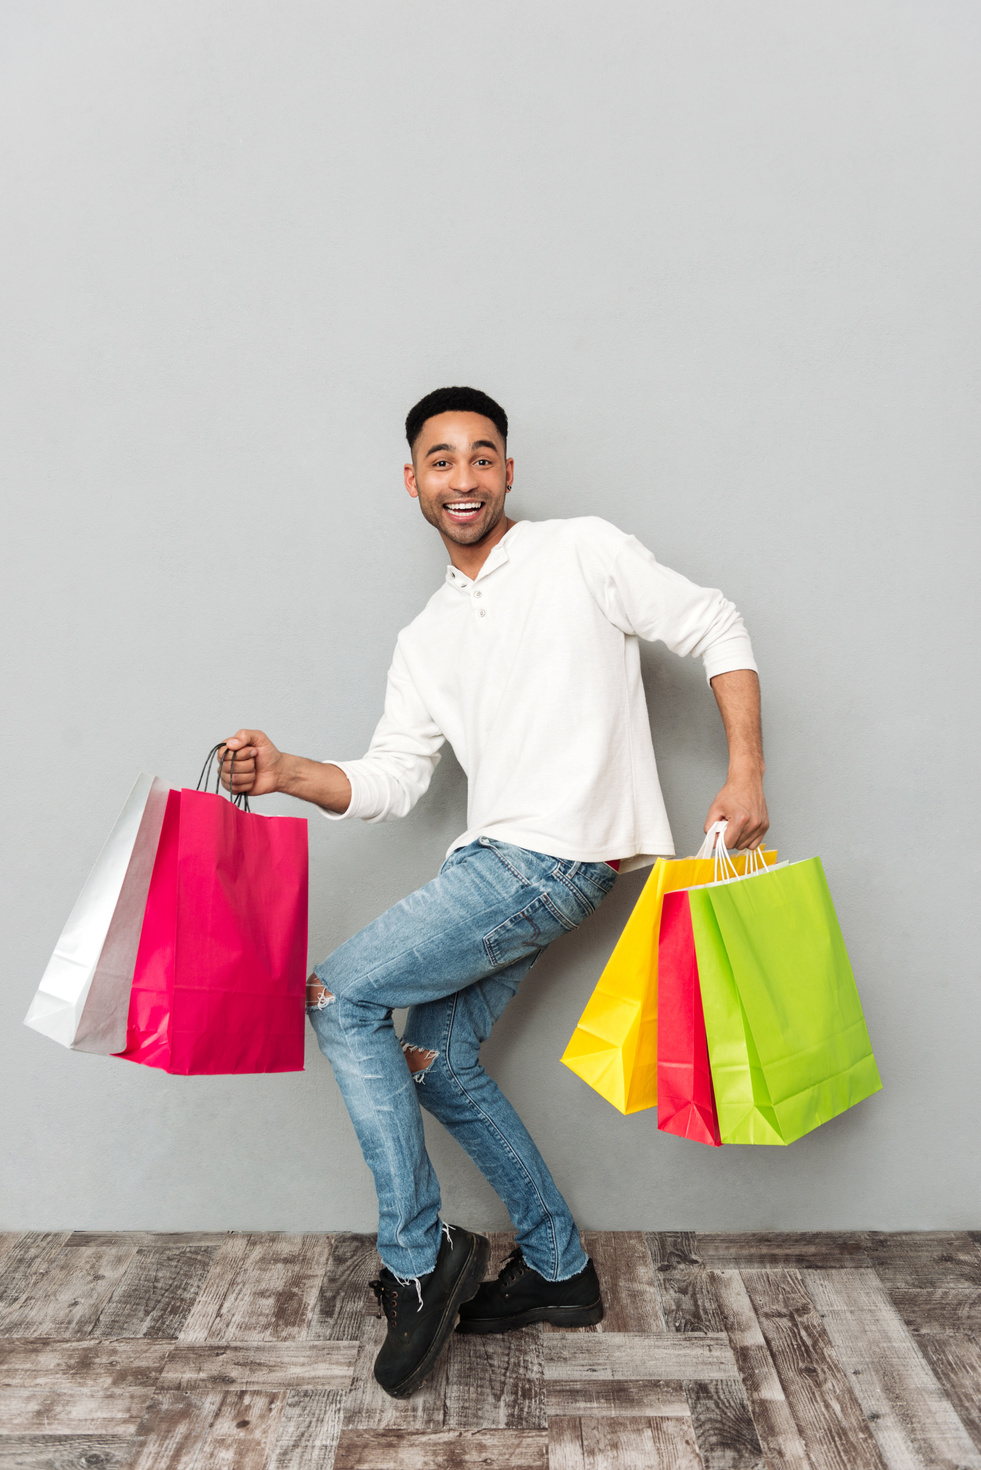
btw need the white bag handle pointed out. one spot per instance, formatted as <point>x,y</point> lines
<point>714,835</point>
<point>715,846</point>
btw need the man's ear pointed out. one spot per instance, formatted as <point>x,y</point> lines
<point>410,481</point>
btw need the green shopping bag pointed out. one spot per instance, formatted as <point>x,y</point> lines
<point>786,1036</point>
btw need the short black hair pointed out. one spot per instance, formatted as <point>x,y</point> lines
<point>454,400</point>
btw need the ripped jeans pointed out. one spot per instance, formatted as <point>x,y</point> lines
<point>455,952</point>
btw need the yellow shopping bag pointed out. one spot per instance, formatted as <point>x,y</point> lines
<point>614,1046</point>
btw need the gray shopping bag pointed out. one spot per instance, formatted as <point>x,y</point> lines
<point>83,999</point>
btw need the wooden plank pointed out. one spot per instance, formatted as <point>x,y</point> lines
<point>685,1291</point>
<point>174,1429</point>
<point>212,1431</point>
<point>626,1274</point>
<point>41,1362</point>
<point>159,1287</point>
<point>344,1300</point>
<point>226,1266</point>
<point>720,1411</point>
<point>723,1425</point>
<point>260,1287</point>
<point>565,1448</point>
<point>8,1239</point>
<point>938,1308</point>
<point>243,1431</point>
<point>70,1293</point>
<point>925,1258</point>
<point>818,1393</point>
<point>495,1381</point>
<point>615,1398</point>
<point>956,1362</point>
<point>671,1248</point>
<point>150,1239</point>
<point>825,1250</point>
<point>275,1366</point>
<point>446,1449</point>
<point>783,1448</point>
<point>309,1429</point>
<point>913,1422</point>
<point>635,1355</point>
<point>368,1406</point>
<point>67,1452</point>
<point>26,1261</point>
<point>72,1409</point>
<point>627,1444</point>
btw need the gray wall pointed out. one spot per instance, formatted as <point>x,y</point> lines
<point>720,262</point>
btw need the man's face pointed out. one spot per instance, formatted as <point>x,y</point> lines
<point>460,475</point>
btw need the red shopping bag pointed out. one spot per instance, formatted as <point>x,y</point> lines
<point>685,1097</point>
<point>220,978</point>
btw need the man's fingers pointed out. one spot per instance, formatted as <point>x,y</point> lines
<point>241,775</point>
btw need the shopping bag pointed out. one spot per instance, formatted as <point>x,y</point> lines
<point>614,1046</point>
<point>220,976</point>
<point>787,1040</point>
<point>685,1097</point>
<point>83,998</point>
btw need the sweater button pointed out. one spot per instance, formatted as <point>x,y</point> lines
<point>483,612</point>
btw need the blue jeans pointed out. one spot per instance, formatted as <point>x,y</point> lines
<point>455,952</point>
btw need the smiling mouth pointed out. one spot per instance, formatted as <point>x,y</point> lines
<point>464,510</point>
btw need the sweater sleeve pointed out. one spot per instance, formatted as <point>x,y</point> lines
<point>644,598</point>
<point>400,761</point>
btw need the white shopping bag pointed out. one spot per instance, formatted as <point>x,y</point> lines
<point>83,998</point>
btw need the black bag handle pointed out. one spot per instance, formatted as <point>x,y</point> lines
<point>242,799</point>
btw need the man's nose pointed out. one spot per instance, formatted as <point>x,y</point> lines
<point>464,480</point>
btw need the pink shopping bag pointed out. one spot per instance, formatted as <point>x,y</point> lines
<point>685,1095</point>
<point>220,978</point>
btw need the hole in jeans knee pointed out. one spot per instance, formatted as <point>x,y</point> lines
<point>419,1059</point>
<point>318,995</point>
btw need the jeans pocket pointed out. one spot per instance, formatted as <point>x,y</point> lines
<point>511,858</point>
<point>532,929</point>
<point>579,888</point>
<point>594,881</point>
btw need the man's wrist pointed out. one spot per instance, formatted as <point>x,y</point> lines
<point>289,776</point>
<point>746,768</point>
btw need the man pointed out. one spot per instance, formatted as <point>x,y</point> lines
<point>526,661</point>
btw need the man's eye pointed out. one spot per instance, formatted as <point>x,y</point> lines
<point>483,461</point>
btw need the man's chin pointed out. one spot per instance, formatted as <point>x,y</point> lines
<point>465,535</point>
<point>472,534</point>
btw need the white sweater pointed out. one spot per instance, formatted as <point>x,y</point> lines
<point>532,672</point>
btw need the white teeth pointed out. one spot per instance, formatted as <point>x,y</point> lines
<point>465,508</point>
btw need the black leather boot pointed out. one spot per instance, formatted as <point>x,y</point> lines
<point>520,1296</point>
<point>421,1319</point>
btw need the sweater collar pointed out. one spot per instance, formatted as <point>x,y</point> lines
<point>497,558</point>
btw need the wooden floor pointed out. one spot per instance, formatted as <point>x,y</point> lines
<point>239,1352</point>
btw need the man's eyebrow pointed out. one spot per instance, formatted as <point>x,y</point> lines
<point>451,448</point>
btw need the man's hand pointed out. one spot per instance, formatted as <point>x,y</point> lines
<point>260,768</point>
<point>258,764</point>
<point>741,802</point>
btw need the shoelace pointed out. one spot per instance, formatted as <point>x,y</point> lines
<point>513,1267</point>
<point>387,1298</point>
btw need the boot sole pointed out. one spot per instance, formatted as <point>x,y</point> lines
<point>465,1288</point>
<point>556,1316</point>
